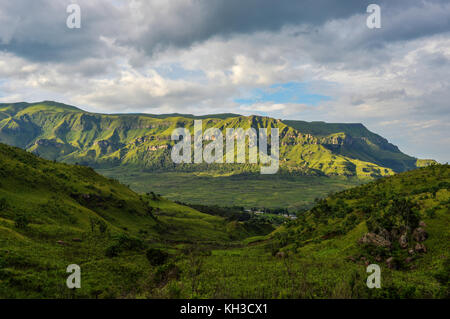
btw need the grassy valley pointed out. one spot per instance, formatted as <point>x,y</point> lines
<point>132,245</point>
<point>247,190</point>
<point>315,157</point>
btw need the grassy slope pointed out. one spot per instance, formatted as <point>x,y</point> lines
<point>32,264</point>
<point>323,257</point>
<point>365,145</point>
<point>65,133</point>
<point>317,249</point>
<point>43,202</point>
<point>330,231</point>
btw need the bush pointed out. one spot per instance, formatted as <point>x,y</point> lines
<point>402,212</point>
<point>101,224</point>
<point>431,212</point>
<point>166,273</point>
<point>127,242</point>
<point>112,251</point>
<point>124,242</point>
<point>21,221</point>
<point>3,204</point>
<point>156,256</point>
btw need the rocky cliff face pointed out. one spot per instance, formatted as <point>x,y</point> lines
<point>65,133</point>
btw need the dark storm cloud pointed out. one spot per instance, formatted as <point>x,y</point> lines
<point>37,29</point>
<point>181,24</point>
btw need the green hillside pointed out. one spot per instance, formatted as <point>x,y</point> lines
<point>55,214</point>
<point>65,133</point>
<point>143,246</point>
<point>358,142</point>
<point>401,223</point>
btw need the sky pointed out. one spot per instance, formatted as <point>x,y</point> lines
<point>289,59</point>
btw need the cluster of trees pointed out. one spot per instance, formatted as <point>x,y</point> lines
<point>235,213</point>
<point>275,211</point>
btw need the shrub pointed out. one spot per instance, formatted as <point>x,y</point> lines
<point>102,226</point>
<point>3,204</point>
<point>124,242</point>
<point>174,290</point>
<point>443,275</point>
<point>21,221</point>
<point>96,222</point>
<point>431,212</point>
<point>127,242</point>
<point>156,256</point>
<point>112,251</point>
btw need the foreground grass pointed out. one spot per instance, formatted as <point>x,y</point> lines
<point>53,215</point>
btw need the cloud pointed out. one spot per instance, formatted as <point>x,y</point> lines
<point>37,29</point>
<point>202,56</point>
<point>186,22</point>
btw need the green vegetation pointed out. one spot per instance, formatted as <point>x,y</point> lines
<point>54,214</point>
<point>316,158</point>
<point>293,192</point>
<point>131,245</point>
<point>65,133</point>
<point>356,141</point>
<point>401,222</point>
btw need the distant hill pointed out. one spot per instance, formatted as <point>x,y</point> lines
<point>65,133</point>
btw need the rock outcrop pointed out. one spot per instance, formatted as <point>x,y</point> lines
<point>375,240</point>
<point>420,248</point>
<point>419,234</point>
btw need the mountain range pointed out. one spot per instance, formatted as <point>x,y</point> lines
<point>68,134</point>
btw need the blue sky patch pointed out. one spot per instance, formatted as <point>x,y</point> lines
<point>290,92</point>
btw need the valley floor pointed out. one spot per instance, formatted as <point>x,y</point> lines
<point>292,192</point>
